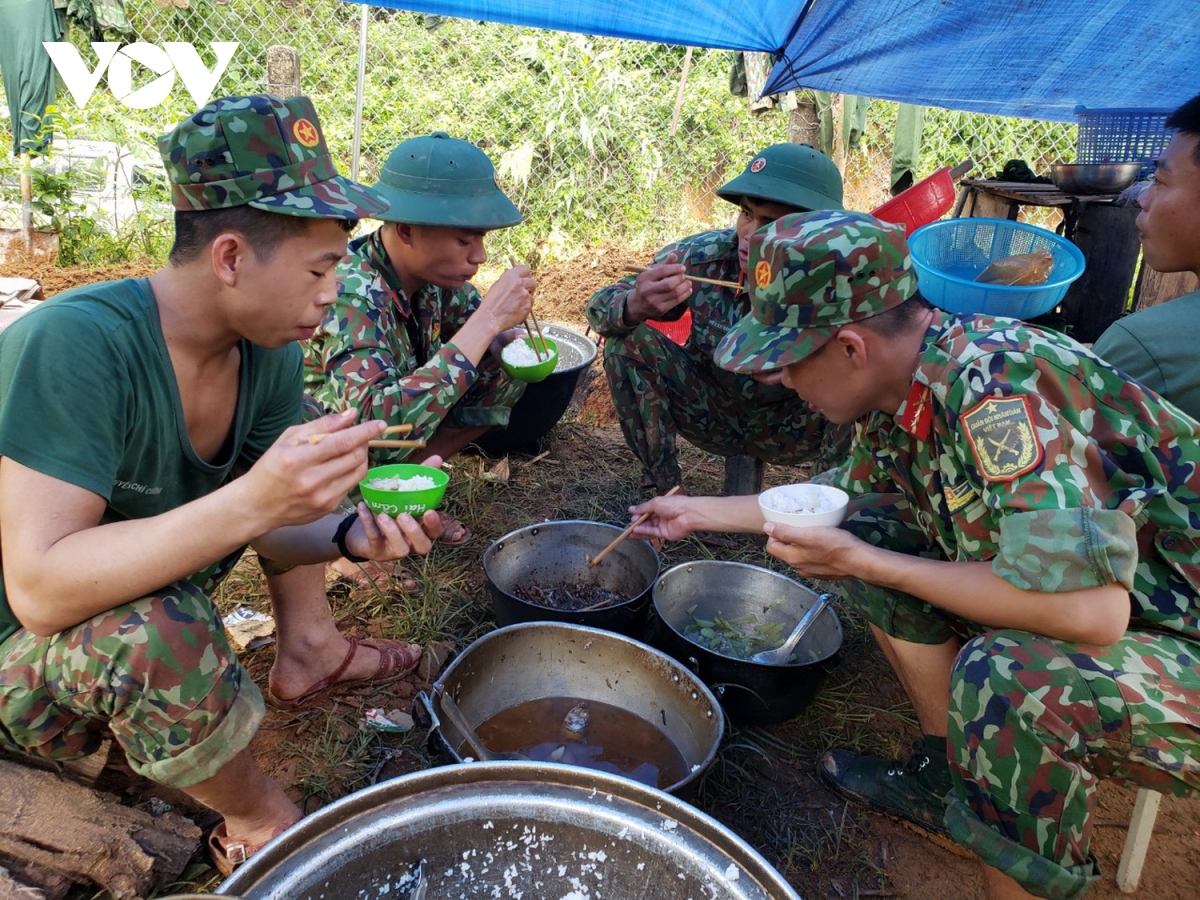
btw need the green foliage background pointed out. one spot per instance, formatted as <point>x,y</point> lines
<point>578,126</point>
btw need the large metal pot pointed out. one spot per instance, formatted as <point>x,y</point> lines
<point>508,829</point>
<point>752,693</point>
<point>536,660</point>
<point>552,553</point>
<point>544,402</point>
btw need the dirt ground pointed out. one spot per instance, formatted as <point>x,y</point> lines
<point>763,785</point>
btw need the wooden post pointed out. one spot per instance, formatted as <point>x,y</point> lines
<point>1137,840</point>
<point>1108,238</point>
<point>1156,287</point>
<point>283,71</point>
<point>687,64</point>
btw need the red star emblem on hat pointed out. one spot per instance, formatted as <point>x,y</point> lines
<point>758,165</point>
<point>762,274</point>
<point>306,133</point>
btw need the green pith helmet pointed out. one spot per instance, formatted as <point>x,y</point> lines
<point>794,174</point>
<point>440,180</point>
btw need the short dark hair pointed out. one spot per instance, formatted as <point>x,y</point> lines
<point>896,320</point>
<point>1186,120</point>
<point>265,231</point>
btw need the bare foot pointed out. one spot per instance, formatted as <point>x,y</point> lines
<point>381,575</point>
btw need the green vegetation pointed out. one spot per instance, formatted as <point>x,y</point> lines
<point>579,127</point>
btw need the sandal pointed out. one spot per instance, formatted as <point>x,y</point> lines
<point>454,532</point>
<point>396,659</point>
<point>228,854</point>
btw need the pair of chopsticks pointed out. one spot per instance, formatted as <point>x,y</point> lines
<point>532,342</point>
<point>391,429</point>
<point>626,533</point>
<point>718,282</point>
<point>512,261</point>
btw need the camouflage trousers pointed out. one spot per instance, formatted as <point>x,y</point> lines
<point>661,389</point>
<point>158,673</point>
<point>1036,723</point>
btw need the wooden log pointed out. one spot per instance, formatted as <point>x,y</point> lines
<point>12,889</point>
<point>1108,238</point>
<point>58,830</point>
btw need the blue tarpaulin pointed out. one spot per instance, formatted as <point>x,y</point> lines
<point>1032,58</point>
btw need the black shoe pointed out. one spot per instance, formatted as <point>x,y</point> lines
<point>912,790</point>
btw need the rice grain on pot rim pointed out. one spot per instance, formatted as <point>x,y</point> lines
<point>519,353</point>
<point>800,498</point>
<point>415,483</point>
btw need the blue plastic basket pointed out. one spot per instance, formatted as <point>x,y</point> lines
<point>949,255</point>
<point>1122,135</point>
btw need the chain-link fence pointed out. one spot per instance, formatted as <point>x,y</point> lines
<point>596,139</point>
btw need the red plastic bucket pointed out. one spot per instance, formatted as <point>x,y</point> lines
<point>926,201</point>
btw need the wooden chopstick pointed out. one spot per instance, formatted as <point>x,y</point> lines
<point>626,533</point>
<point>538,326</point>
<point>532,342</point>
<point>395,443</point>
<point>391,429</point>
<point>729,284</point>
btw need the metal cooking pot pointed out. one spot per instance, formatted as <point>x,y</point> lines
<point>552,553</point>
<point>508,829</point>
<point>536,660</point>
<point>544,402</point>
<point>752,693</point>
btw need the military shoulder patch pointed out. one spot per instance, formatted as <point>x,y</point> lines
<point>1002,437</point>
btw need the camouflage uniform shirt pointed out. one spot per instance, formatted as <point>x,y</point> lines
<point>713,254</point>
<point>1018,446</point>
<point>393,356</point>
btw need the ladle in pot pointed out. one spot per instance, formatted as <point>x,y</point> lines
<point>478,747</point>
<point>779,655</point>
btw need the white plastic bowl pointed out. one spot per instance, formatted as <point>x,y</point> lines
<point>804,505</point>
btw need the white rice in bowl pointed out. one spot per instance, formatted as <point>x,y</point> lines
<point>415,483</point>
<point>805,499</point>
<point>520,354</point>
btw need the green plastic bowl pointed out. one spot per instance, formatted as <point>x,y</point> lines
<point>395,502</point>
<point>538,371</point>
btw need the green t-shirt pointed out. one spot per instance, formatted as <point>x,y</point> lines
<point>1157,348</point>
<point>88,395</point>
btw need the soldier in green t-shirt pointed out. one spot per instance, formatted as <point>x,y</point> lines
<point>1157,346</point>
<point>149,432</point>
<point>1022,538</point>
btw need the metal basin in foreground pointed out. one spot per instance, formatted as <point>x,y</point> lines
<point>537,660</point>
<point>509,829</point>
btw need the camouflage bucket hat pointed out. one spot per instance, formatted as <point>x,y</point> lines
<point>264,152</point>
<point>440,180</point>
<point>794,174</point>
<point>810,274</point>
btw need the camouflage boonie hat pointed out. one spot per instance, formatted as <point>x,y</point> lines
<point>793,174</point>
<point>264,152</point>
<point>809,274</point>
<point>439,180</point>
